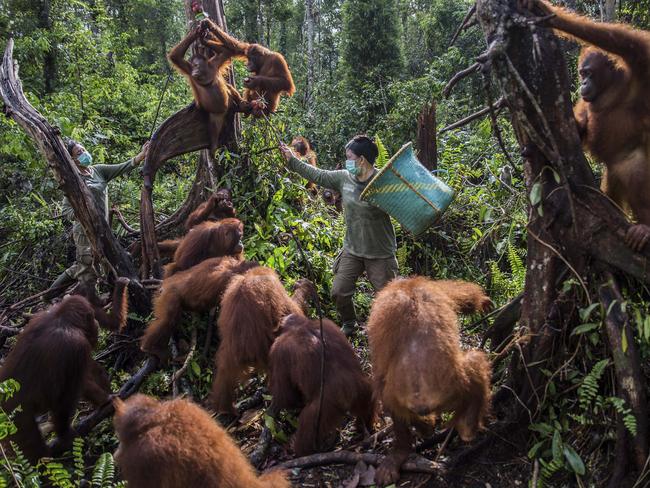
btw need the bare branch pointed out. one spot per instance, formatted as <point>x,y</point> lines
<point>476,115</point>
<point>415,464</point>
<point>465,24</point>
<point>459,76</point>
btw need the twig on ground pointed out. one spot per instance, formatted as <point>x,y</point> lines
<point>177,375</point>
<point>89,422</point>
<point>417,464</point>
<point>533,482</point>
<point>444,444</point>
<point>372,440</point>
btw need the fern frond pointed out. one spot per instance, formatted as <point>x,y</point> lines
<point>629,420</point>
<point>104,471</point>
<point>23,468</point>
<point>78,456</point>
<point>549,468</point>
<point>588,390</point>
<point>58,475</point>
<point>383,157</point>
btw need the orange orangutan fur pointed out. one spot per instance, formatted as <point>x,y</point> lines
<point>196,289</point>
<point>294,381</point>
<point>251,310</point>
<point>419,367</point>
<point>176,443</point>
<point>207,240</point>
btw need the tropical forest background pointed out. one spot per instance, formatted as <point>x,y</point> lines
<point>97,69</point>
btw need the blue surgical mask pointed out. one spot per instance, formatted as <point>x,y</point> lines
<point>351,166</point>
<point>85,159</point>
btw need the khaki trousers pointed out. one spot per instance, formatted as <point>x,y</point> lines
<point>348,269</point>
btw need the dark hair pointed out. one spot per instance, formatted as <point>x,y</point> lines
<point>70,144</point>
<point>362,145</point>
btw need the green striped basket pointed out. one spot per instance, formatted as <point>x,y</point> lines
<point>408,192</point>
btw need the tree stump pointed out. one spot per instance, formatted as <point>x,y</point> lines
<point>426,142</point>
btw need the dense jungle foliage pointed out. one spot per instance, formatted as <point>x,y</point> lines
<point>98,70</point>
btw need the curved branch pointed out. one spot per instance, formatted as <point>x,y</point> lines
<point>48,140</point>
<point>89,422</point>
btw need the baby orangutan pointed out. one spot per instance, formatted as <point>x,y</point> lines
<point>420,370</point>
<point>207,240</point>
<point>176,444</point>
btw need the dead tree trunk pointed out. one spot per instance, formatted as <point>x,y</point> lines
<point>610,10</point>
<point>310,21</point>
<point>47,138</point>
<point>199,192</point>
<point>571,224</point>
<point>427,145</point>
<point>183,132</point>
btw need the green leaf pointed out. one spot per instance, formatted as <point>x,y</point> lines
<point>639,322</point>
<point>542,428</point>
<point>574,460</point>
<point>646,328</point>
<point>585,313</point>
<point>557,445</point>
<point>536,194</point>
<point>196,369</point>
<point>611,305</point>
<point>581,329</point>
<point>556,176</point>
<point>533,450</point>
<point>623,340</point>
<point>269,422</point>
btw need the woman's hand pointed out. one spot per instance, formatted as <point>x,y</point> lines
<point>142,154</point>
<point>286,151</point>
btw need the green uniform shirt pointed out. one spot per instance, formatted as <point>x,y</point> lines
<point>369,232</point>
<point>97,182</point>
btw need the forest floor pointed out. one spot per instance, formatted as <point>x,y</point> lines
<point>502,463</point>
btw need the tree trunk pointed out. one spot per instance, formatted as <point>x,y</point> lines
<point>610,10</point>
<point>49,59</point>
<point>426,143</point>
<point>571,224</point>
<point>47,138</point>
<point>251,32</point>
<point>183,132</point>
<point>627,367</point>
<point>311,61</point>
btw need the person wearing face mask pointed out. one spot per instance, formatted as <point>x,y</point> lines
<point>96,178</point>
<point>369,244</point>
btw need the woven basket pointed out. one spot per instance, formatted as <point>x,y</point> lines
<point>408,192</point>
